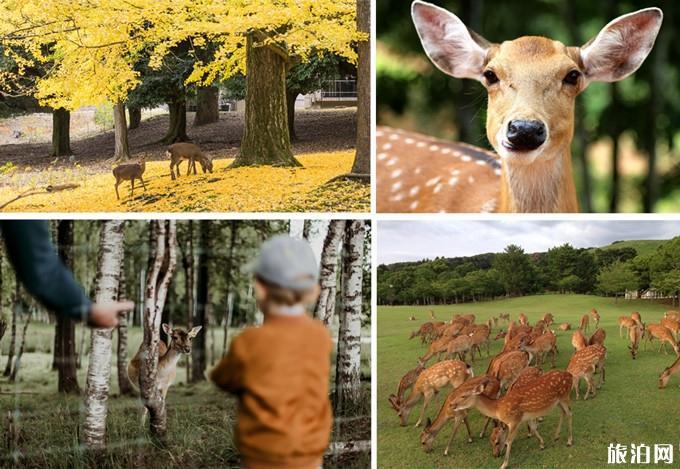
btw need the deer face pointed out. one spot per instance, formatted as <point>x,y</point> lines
<point>497,440</point>
<point>207,165</point>
<point>427,437</point>
<point>180,339</point>
<point>532,82</point>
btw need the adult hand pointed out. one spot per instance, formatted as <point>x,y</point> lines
<point>105,315</point>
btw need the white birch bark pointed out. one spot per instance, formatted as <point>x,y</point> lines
<point>325,307</point>
<point>348,364</point>
<point>99,366</point>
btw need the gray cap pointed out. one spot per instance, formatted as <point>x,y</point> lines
<point>288,263</point>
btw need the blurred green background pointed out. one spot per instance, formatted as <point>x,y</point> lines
<point>626,146</point>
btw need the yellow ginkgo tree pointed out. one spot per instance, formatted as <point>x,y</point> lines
<point>93,47</point>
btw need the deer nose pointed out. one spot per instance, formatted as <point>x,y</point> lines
<point>525,135</point>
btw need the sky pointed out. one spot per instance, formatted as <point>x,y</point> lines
<point>415,240</point>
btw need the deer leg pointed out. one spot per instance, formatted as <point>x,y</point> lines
<point>143,185</point>
<point>172,170</point>
<point>512,432</point>
<point>486,425</point>
<point>456,424</point>
<point>426,401</point>
<point>566,412</point>
<point>467,426</point>
<point>132,187</point>
<point>116,187</point>
<point>533,430</point>
<point>576,385</point>
<point>591,388</point>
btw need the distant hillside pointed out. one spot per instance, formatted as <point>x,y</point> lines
<point>642,246</point>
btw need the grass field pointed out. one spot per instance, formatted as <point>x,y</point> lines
<point>629,408</point>
<point>200,418</point>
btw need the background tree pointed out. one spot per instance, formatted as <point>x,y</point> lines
<point>198,352</point>
<point>515,269</point>
<point>616,279</point>
<point>325,307</point>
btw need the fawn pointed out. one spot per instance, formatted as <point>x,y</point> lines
<point>668,372</point>
<point>524,404</point>
<point>584,363</point>
<point>657,331</point>
<point>405,383</point>
<point>187,151</point>
<point>129,172</point>
<point>532,84</point>
<point>180,342</point>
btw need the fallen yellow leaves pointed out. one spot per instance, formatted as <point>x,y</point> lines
<point>245,189</point>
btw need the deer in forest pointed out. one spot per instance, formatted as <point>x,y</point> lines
<point>625,321</point>
<point>584,363</point>
<point>668,372</point>
<point>405,383</point>
<point>129,172</point>
<point>657,331</point>
<point>584,323</point>
<point>187,151</point>
<point>430,382</point>
<point>432,428</point>
<point>635,334</point>
<point>596,317</point>
<point>168,356</point>
<point>532,84</point>
<point>525,404</point>
<point>598,337</point>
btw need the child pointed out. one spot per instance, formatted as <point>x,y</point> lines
<point>280,371</point>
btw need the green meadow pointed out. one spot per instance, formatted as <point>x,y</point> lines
<point>629,408</point>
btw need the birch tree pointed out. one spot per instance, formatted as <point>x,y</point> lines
<point>162,263</point>
<point>325,307</point>
<point>348,363</point>
<point>99,366</point>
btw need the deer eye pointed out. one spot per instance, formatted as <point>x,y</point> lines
<point>490,77</point>
<point>572,77</point>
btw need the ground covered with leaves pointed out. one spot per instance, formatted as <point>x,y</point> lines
<point>325,147</point>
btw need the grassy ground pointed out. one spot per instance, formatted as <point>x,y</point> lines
<point>200,418</point>
<point>246,189</point>
<point>628,409</point>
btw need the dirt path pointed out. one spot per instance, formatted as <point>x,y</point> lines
<point>318,131</point>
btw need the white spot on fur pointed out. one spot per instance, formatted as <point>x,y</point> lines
<point>379,133</point>
<point>497,171</point>
<point>396,173</point>
<point>471,179</point>
<point>396,186</point>
<point>420,144</point>
<point>418,170</point>
<point>394,137</point>
<point>455,172</point>
<point>392,161</point>
<point>434,147</point>
<point>464,157</point>
<point>397,198</point>
<point>414,205</point>
<point>382,156</point>
<point>433,181</point>
<point>387,146</point>
<point>488,206</point>
<point>453,181</point>
<point>437,188</point>
<point>409,141</point>
<point>446,151</point>
<point>414,190</point>
<point>481,162</point>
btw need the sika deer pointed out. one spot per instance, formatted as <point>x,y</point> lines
<point>430,382</point>
<point>672,325</point>
<point>548,319</point>
<point>405,383</point>
<point>584,363</point>
<point>565,326</point>
<point>507,366</point>
<point>635,334</point>
<point>672,315</point>
<point>583,325</point>
<point>532,84</point>
<point>657,331</point>
<point>668,372</point>
<point>541,346</point>
<point>445,414</point>
<point>637,318</point>
<point>187,151</point>
<point>438,347</point>
<point>625,321</point>
<point>423,332</point>
<point>598,337</point>
<point>129,172</point>
<point>522,318</point>
<point>461,345</point>
<point>596,317</point>
<point>180,342</point>
<point>524,404</point>
<point>578,340</point>
<point>480,336</point>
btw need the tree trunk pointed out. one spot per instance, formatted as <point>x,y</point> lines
<point>306,229</point>
<point>135,117</point>
<point>13,337</point>
<point>325,307</point>
<point>17,362</point>
<point>348,363</point>
<point>233,230</point>
<point>265,137</point>
<point>177,130</point>
<point>61,132</point>
<point>122,148</point>
<point>198,351</point>
<point>291,97</point>
<point>188,263</point>
<point>124,384</point>
<point>65,353</point>
<point>207,105</point>
<point>99,366</point>
<point>162,262</point>
<point>362,160</point>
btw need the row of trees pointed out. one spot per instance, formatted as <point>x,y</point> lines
<point>563,269</point>
<point>186,273</point>
<point>69,55</point>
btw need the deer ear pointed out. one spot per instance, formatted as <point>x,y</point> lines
<point>620,47</point>
<point>194,331</point>
<point>167,329</point>
<point>449,44</point>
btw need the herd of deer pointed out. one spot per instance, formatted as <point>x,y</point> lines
<point>176,153</point>
<point>514,388</point>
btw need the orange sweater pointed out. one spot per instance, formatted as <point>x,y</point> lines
<point>280,373</point>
